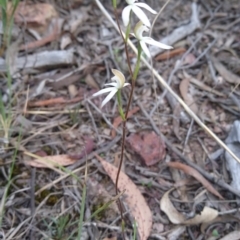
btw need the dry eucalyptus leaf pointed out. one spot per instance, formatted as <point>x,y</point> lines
<point>136,202</point>
<point>194,173</point>
<point>187,97</point>
<point>207,215</point>
<point>168,208</point>
<point>224,72</point>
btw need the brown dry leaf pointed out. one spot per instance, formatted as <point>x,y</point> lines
<point>207,215</point>
<point>187,97</point>
<point>224,72</point>
<point>194,173</point>
<point>136,202</point>
<point>35,15</point>
<point>51,161</point>
<point>170,54</point>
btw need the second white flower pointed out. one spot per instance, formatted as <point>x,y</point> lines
<point>138,33</point>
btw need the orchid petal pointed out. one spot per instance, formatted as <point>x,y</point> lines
<point>105,90</point>
<point>109,96</point>
<point>130,2</point>
<point>151,41</point>
<point>119,78</point>
<point>141,15</point>
<point>144,5</point>
<point>126,84</point>
<point>139,29</point>
<point>111,84</point>
<point>145,49</point>
<point>126,14</point>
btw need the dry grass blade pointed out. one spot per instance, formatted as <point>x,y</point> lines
<point>136,202</point>
<point>164,83</point>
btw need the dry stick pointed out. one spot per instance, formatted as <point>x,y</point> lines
<point>162,81</point>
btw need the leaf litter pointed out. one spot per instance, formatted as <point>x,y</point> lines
<point>60,54</point>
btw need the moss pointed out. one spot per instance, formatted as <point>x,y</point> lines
<point>51,201</point>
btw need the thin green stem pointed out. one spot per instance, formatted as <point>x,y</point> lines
<point>120,109</point>
<point>114,2</point>
<point>134,230</point>
<point>136,70</point>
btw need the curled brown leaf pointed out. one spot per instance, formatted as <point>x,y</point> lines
<point>194,173</point>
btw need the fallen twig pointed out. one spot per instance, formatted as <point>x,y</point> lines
<point>41,60</point>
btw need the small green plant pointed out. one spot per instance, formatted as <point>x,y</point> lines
<point>61,224</point>
<point>147,184</point>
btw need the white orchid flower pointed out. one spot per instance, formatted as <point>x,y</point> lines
<point>138,31</point>
<point>136,8</point>
<point>115,86</point>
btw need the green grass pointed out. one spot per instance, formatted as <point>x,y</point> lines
<point>7,11</point>
<point>8,8</point>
